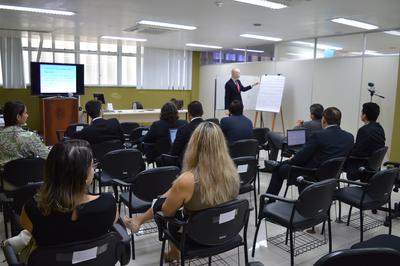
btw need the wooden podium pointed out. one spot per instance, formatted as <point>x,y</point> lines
<point>57,114</point>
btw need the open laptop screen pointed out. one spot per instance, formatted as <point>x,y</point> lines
<point>172,134</point>
<point>296,137</point>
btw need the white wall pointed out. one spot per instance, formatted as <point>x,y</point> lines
<point>340,82</point>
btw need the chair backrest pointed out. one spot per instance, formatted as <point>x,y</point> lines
<point>219,224</point>
<point>151,183</point>
<point>316,199</point>
<point>100,149</point>
<point>381,184</point>
<point>137,105</point>
<point>214,120</point>
<point>244,147</point>
<point>260,134</point>
<point>128,127</point>
<point>123,163</point>
<point>105,250</point>
<point>247,169</point>
<point>376,159</point>
<point>364,257</point>
<point>275,139</point>
<point>22,171</point>
<point>72,128</point>
<point>331,168</point>
<point>138,133</point>
<point>22,194</point>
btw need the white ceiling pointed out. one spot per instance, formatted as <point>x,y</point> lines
<point>217,26</point>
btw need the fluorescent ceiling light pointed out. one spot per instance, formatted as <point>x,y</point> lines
<point>260,37</point>
<point>123,38</point>
<point>203,46</point>
<point>248,50</point>
<point>263,3</point>
<point>166,25</point>
<point>37,10</point>
<point>371,52</point>
<point>393,32</point>
<point>355,23</point>
<point>319,46</point>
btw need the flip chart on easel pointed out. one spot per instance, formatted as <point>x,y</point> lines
<point>270,93</point>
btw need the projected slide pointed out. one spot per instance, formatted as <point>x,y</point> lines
<point>57,79</point>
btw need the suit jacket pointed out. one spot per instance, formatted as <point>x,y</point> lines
<point>370,137</point>
<point>237,127</point>
<point>159,135</point>
<point>231,92</point>
<point>101,130</point>
<point>323,145</point>
<point>311,127</point>
<point>183,136</point>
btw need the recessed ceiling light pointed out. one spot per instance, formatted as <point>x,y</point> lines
<point>393,32</point>
<point>248,50</point>
<point>37,10</point>
<point>203,46</point>
<point>260,37</point>
<point>166,25</point>
<point>123,38</point>
<point>319,45</point>
<point>355,23</point>
<point>263,3</point>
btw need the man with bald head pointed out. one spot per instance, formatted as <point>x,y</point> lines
<point>233,87</point>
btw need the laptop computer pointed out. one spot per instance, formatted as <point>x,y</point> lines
<point>296,138</point>
<point>172,134</point>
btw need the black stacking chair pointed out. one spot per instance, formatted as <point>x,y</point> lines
<point>100,149</point>
<point>127,129</point>
<point>137,136</point>
<point>214,120</point>
<point>120,164</point>
<point>247,170</point>
<point>244,147</point>
<point>369,196</point>
<point>23,174</point>
<point>364,257</point>
<point>380,241</point>
<point>372,163</point>
<point>331,168</point>
<point>299,214</point>
<point>137,193</point>
<point>168,160</point>
<point>105,250</point>
<point>208,232</point>
<point>63,135</point>
<point>275,140</point>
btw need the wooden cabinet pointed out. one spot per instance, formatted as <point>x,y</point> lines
<point>57,114</point>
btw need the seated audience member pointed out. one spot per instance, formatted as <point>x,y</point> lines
<point>100,129</point>
<point>203,182</point>
<point>159,131</point>
<point>236,126</point>
<point>195,111</point>
<point>332,142</point>
<point>16,142</point>
<point>63,211</point>
<point>314,124</point>
<point>370,137</point>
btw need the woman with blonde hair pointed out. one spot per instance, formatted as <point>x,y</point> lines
<point>209,178</point>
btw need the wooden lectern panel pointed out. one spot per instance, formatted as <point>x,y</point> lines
<point>58,114</point>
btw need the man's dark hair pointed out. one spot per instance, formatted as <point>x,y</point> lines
<point>10,112</point>
<point>316,110</point>
<point>236,107</point>
<point>371,111</point>
<point>332,116</point>
<point>93,108</point>
<point>169,113</point>
<point>195,109</point>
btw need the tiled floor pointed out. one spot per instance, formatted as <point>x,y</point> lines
<point>148,247</point>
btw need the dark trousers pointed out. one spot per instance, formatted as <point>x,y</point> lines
<point>280,173</point>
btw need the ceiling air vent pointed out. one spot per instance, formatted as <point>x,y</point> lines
<point>146,29</point>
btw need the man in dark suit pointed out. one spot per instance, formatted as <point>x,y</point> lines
<point>236,126</point>
<point>370,138</point>
<point>314,124</point>
<point>100,129</point>
<point>233,87</point>
<point>332,142</point>
<point>195,111</point>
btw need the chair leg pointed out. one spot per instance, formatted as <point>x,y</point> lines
<point>329,233</point>
<point>258,181</point>
<point>182,260</point>
<point>286,190</point>
<point>361,226</point>
<point>133,245</point>
<point>339,219</point>
<point>4,207</point>
<point>291,247</point>
<point>390,216</point>
<point>162,252</point>
<point>323,228</point>
<point>255,237</point>
<point>209,261</point>
<point>246,255</point>
<point>349,216</point>
<point>255,204</point>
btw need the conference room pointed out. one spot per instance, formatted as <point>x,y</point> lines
<point>124,91</point>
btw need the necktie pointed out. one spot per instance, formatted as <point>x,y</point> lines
<point>238,86</point>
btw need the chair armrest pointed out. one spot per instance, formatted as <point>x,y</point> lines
<point>361,184</point>
<point>121,231</point>
<point>275,197</point>
<point>10,256</point>
<point>304,168</point>
<point>357,158</point>
<point>119,182</point>
<point>160,215</point>
<point>392,164</point>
